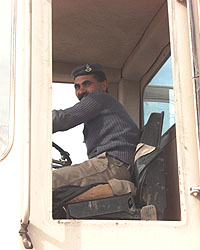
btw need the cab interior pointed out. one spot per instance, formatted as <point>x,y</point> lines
<point>130,39</point>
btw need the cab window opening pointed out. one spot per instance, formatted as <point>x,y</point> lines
<point>124,80</point>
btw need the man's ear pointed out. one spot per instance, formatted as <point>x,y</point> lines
<point>104,86</point>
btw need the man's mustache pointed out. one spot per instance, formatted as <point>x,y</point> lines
<point>80,96</point>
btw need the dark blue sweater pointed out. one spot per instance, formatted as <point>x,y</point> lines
<point>108,127</point>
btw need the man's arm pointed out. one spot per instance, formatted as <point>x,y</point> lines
<point>88,108</point>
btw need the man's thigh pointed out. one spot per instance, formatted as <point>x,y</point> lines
<point>95,170</point>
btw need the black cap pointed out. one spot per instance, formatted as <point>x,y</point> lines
<point>87,69</point>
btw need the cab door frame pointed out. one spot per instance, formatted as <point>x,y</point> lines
<point>47,233</point>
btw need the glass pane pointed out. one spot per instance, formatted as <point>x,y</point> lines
<point>164,75</point>
<point>159,96</point>
<point>5,68</point>
<point>63,96</point>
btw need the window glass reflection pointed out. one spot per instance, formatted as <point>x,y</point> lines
<point>5,68</point>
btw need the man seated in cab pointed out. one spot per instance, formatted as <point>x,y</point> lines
<point>109,132</point>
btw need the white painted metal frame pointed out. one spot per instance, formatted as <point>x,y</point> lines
<point>47,233</point>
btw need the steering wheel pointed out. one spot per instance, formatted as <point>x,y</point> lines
<point>65,159</point>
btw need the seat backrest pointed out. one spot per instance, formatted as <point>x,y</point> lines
<point>150,137</point>
<point>151,133</point>
<point>146,152</point>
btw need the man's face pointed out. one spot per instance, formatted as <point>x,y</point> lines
<point>86,84</point>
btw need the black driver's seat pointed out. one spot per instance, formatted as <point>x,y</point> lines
<point>148,175</point>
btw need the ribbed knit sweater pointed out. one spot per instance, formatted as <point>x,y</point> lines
<point>107,126</point>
